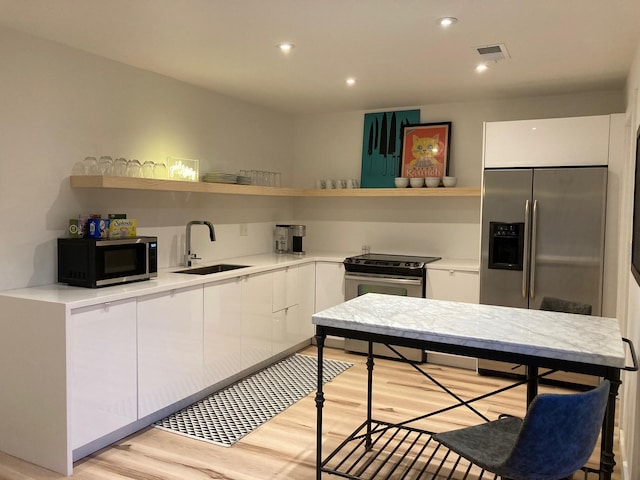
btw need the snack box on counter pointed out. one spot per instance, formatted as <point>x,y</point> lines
<point>107,228</point>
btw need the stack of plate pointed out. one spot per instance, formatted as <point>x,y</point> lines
<point>242,180</point>
<point>219,177</point>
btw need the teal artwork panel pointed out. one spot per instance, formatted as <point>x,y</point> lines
<point>381,146</point>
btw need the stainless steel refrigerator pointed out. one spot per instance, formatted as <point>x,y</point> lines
<point>542,236</point>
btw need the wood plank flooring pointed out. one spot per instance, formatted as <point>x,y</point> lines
<point>284,447</point>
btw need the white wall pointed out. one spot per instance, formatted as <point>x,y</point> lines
<point>330,146</point>
<point>58,105</point>
<point>630,405</point>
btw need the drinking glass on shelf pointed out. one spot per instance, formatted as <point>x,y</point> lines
<point>160,170</point>
<point>78,168</point>
<point>105,165</point>
<point>277,180</point>
<point>147,169</point>
<point>90,166</point>
<point>134,169</point>
<point>120,167</point>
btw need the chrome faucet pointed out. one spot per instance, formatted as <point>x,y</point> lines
<point>188,256</point>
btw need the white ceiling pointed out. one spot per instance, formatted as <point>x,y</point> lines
<point>394,48</point>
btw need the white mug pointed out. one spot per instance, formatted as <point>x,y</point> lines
<point>350,184</point>
<point>328,184</point>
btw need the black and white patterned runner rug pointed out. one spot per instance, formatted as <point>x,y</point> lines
<point>226,416</point>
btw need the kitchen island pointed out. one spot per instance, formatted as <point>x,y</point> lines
<point>530,337</point>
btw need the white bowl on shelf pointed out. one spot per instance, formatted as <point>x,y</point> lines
<point>401,182</point>
<point>416,182</point>
<point>449,181</point>
<point>432,182</point>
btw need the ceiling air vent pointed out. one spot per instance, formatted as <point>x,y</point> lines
<point>492,53</point>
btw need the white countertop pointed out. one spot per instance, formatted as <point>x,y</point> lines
<point>168,279</point>
<point>563,336</point>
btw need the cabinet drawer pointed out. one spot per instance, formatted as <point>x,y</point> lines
<point>453,285</point>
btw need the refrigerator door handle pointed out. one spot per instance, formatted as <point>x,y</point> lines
<point>534,229</point>
<point>525,253</point>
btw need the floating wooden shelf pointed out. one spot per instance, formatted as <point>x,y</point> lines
<point>108,182</point>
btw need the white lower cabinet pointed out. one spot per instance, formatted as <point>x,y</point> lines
<point>304,329</point>
<point>453,285</point>
<point>102,370</point>
<point>222,330</point>
<point>329,281</point>
<point>170,348</point>
<point>257,318</point>
<point>276,312</point>
<point>292,325</point>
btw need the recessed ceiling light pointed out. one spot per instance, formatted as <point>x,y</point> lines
<point>482,68</point>
<point>447,21</point>
<point>351,81</point>
<point>285,47</point>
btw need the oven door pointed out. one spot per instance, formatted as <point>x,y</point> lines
<point>359,284</point>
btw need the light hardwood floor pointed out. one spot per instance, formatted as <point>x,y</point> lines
<point>284,447</point>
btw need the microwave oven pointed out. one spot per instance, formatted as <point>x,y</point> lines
<point>94,262</point>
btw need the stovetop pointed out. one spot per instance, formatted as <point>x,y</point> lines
<point>380,263</point>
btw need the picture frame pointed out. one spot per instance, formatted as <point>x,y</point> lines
<point>381,142</point>
<point>425,150</point>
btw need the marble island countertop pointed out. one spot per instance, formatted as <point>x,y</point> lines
<point>562,336</point>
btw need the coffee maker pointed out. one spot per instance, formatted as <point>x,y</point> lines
<point>296,234</point>
<point>288,239</point>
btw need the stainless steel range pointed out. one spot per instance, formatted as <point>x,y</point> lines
<point>387,274</point>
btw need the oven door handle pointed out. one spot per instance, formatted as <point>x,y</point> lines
<point>381,278</point>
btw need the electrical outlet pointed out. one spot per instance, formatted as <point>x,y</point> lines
<point>244,230</point>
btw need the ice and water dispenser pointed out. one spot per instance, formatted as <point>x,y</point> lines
<point>506,245</point>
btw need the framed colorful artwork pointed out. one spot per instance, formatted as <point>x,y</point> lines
<point>381,142</point>
<point>425,150</point>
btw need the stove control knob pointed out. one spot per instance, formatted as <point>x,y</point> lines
<point>416,264</point>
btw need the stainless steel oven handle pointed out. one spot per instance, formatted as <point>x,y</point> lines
<point>534,228</point>
<point>383,279</point>
<point>525,253</point>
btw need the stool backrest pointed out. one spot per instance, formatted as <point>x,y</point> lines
<point>558,434</point>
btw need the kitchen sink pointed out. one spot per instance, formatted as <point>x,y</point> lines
<point>221,267</point>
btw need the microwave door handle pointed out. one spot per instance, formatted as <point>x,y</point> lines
<point>534,231</point>
<point>146,257</point>
<point>525,253</point>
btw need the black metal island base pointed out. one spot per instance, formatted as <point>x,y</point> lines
<point>538,339</point>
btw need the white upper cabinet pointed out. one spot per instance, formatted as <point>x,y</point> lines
<point>548,142</point>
